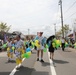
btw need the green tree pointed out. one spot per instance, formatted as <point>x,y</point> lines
<point>66,30</point>
<point>4,27</point>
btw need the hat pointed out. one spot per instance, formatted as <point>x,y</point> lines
<point>40,32</point>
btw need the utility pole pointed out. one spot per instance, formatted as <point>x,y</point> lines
<point>60,3</point>
<point>55,28</point>
<point>74,35</point>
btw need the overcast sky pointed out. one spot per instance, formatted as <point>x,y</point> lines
<point>35,15</point>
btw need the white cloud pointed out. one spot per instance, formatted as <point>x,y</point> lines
<point>35,15</point>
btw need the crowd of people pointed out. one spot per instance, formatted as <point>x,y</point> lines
<point>21,47</point>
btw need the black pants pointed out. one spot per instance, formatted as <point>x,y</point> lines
<point>0,50</point>
<point>63,46</point>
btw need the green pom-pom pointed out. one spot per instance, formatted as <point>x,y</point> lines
<point>5,45</point>
<point>47,46</point>
<point>45,50</point>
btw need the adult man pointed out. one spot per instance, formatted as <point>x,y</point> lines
<point>40,45</point>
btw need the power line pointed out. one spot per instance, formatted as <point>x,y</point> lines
<point>70,7</point>
<point>70,16</point>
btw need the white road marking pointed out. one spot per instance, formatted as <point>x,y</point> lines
<point>53,72</point>
<point>14,70</point>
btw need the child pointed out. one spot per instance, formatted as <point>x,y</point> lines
<point>9,50</point>
<point>18,51</point>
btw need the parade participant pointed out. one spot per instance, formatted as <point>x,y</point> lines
<point>0,45</point>
<point>19,50</point>
<point>9,50</point>
<point>31,44</point>
<point>50,42</point>
<point>63,43</point>
<point>28,43</point>
<point>13,46</point>
<point>41,45</point>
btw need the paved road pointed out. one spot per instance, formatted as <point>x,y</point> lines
<point>64,64</point>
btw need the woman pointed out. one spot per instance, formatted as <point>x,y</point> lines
<point>50,42</point>
<point>39,45</point>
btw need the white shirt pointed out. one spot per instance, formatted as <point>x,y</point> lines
<point>9,44</point>
<point>62,40</point>
<point>19,44</point>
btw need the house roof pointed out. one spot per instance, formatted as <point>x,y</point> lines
<point>71,35</point>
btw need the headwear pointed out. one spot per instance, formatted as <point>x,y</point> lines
<point>39,32</point>
<point>18,36</point>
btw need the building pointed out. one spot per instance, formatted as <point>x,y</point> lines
<point>29,36</point>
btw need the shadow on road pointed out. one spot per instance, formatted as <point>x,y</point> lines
<point>24,71</point>
<point>40,73</point>
<point>29,71</point>
<point>60,61</point>
<point>45,63</point>
<point>4,73</point>
<point>11,61</point>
